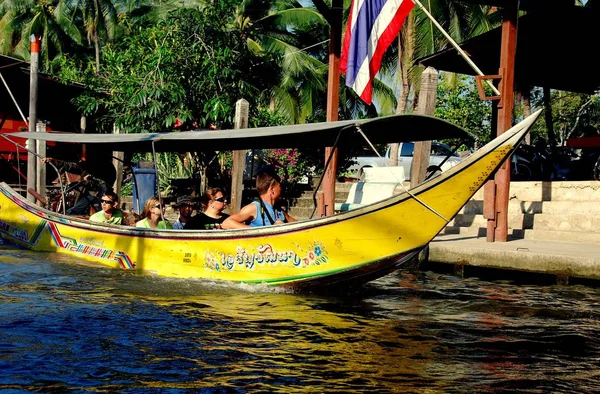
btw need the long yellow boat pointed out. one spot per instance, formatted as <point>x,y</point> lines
<point>353,246</point>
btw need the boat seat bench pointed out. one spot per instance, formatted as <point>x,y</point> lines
<point>377,184</point>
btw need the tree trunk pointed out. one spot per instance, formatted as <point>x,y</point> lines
<point>548,119</point>
<point>97,48</point>
<point>404,55</point>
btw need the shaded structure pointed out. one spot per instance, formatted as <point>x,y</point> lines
<point>54,109</point>
<point>546,48</point>
<point>553,50</point>
<point>54,98</point>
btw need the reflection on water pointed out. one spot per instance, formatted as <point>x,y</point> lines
<point>67,327</point>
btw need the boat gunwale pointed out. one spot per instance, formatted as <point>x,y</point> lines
<point>283,229</point>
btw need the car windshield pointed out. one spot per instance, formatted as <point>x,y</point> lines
<point>438,149</point>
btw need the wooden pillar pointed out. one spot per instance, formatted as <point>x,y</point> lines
<point>118,158</point>
<point>40,185</point>
<point>239,158</point>
<point>83,130</point>
<point>426,106</point>
<point>33,95</point>
<point>548,119</point>
<point>333,98</point>
<point>505,113</point>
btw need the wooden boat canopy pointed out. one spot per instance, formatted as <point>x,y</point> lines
<point>394,128</point>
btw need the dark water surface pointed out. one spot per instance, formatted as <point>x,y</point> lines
<point>72,328</point>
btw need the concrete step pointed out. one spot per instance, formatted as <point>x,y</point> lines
<point>563,236</point>
<point>568,222</point>
<point>534,234</point>
<point>306,200</point>
<point>541,221</point>
<point>301,213</point>
<point>515,221</point>
<point>552,191</point>
<point>475,207</point>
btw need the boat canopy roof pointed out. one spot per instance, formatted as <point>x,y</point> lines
<point>386,129</point>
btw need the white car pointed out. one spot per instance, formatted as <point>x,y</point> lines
<point>439,152</point>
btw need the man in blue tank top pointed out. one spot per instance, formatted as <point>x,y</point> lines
<point>263,212</point>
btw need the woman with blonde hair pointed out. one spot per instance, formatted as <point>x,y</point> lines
<point>213,203</point>
<point>153,215</point>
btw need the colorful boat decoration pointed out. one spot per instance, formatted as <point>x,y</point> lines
<point>349,247</point>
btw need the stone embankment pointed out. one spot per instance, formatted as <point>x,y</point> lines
<point>551,211</point>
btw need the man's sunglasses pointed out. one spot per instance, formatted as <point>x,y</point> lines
<point>107,202</point>
<point>221,199</point>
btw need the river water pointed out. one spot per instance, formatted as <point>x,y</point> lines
<point>68,327</point>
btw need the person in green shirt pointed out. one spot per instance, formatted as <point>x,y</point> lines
<point>109,213</point>
<point>153,215</point>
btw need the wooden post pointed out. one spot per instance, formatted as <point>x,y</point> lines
<point>83,130</point>
<point>239,158</point>
<point>333,98</point>
<point>320,204</point>
<point>40,185</point>
<point>505,113</point>
<point>422,153</point>
<point>548,120</point>
<point>33,95</point>
<point>118,158</point>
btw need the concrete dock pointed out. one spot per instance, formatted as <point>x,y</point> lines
<point>565,260</point>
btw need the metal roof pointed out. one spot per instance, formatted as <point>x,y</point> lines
<point>54,98</point>
<point>394,128</point>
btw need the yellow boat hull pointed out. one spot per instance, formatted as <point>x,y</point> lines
<point>358,245</point>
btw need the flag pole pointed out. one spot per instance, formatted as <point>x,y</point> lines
<point>333,97</point>
<point>456,46</point>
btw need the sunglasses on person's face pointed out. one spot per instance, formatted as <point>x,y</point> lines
<point>158,206</point>
<point>108,202</point>
<point>221,199</point>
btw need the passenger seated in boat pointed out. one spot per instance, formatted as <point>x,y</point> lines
<point>153,215</point>
<point>185,205</point>
<point>265,211</point>
<point>213,203</point>
<point>110,213</point>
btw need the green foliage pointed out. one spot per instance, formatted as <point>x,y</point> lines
<point>190,67</point>
<point>572,115</point>
<point>459,103</point>
<point>171,166</point>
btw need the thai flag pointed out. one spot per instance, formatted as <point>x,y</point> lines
<point>372,26</point>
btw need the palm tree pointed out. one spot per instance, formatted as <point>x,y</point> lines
<point>420,37</point>
<point>296,35</point>
<point>99,19</point>
<point>48,19</point>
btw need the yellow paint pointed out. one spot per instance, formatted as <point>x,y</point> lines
<point>277,255</point>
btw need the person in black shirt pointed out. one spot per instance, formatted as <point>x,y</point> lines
<point>213,203</point>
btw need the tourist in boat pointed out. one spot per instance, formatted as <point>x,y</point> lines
<point>213,203</point>
<point>185,205</point>
<point>153,215</point>
<point>110,213</point>
<point>265,211</point>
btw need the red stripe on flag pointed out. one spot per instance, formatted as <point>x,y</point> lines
<point>386,38</point>
<point>344,56</point>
